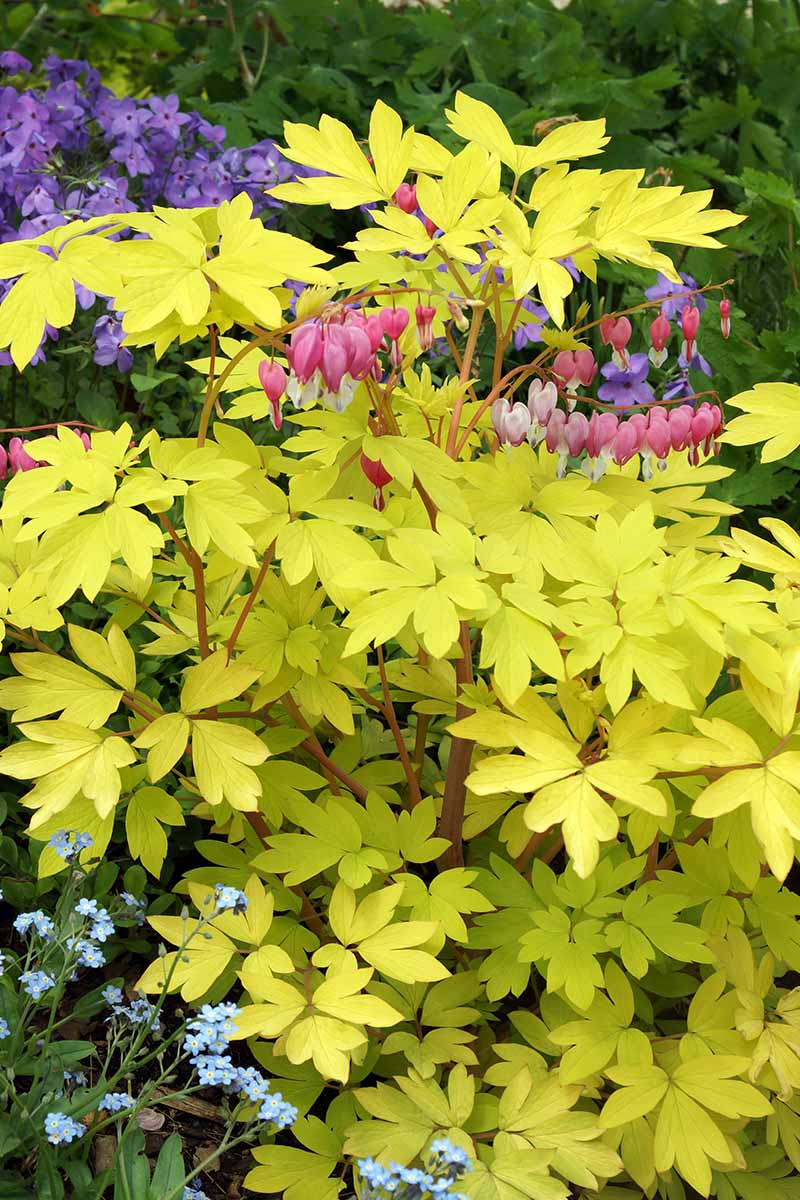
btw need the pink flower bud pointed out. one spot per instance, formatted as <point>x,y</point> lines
<point>620,334</point>
<point>360,353</point>
<point>373,327</point>
<point>430,226</point>
<point>406,197</point>
<point>272,378</point>
<point>424,314</point>
<point>606,326</point>
<point>627,441</point>
<point>517,424</point>
<point>394,321</point>
<point>660,332</point>
<point>659,435</point>
<point>576,432</point>
<point>499,412</point>
<point>305,351</point>
<point>375,471</point>
<point>725,317</point>
<point>615,331</point>
<point>564,366</point>
<point>680,425</point>
<point>555,439</point>
<point>575,368</point>
<point>542,399</point>
<point>379,477</point>
<point>690,319</point>
<point>335,354</point>
<point>602,431</point>
<point>585,367</point>
<point>3,462</point>
<point>18,456</point>
<point>706,423</point>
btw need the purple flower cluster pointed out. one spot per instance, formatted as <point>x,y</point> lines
<point>71,149</point>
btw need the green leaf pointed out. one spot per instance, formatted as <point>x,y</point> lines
<point>169,1170</point>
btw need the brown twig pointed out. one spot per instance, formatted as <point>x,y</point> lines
<point>250,601</point>
<point>414,793</point>
<point>195,564</point>
<point>671,858</point>
<point>315,749</point>
<point>455,787</point>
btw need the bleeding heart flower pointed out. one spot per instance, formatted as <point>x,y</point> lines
<point>542,399</point>
<point>424,314</point>
<point>305,350</point>
<point>18,456</point>
<point>394,321</point>
<point>272,378</point>
<point>379,477</point>
<point>406,197</point>
<point>660,331</point>
<point>575,368</point>
<point>690,319</point>
<point>725,317</point>
<point>373,327</point>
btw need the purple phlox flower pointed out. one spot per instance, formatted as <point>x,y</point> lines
<point>58,70</point>
<point>697,363</point>
<point>41,198</point>
<point>26,144</point>
<point>33,227</point>
<point>108,337</point>
<point>531,331</point>
<point>626,387</point>
<point>680,388</point>
<point>674,296</point>
<point>128,119</point>
<point>210,133</point>
<point>167,116</point>
<point>13,63</point>
<point>111,197</point>
<point>133,156</point>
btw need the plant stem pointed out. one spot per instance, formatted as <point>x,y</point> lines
<point>307,911</point>
<point>414,793</point>
<point>196,566</point>
<point>455,788</point>
<point>250,601</point>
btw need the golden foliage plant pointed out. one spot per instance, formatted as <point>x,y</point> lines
<point>507,766</point>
